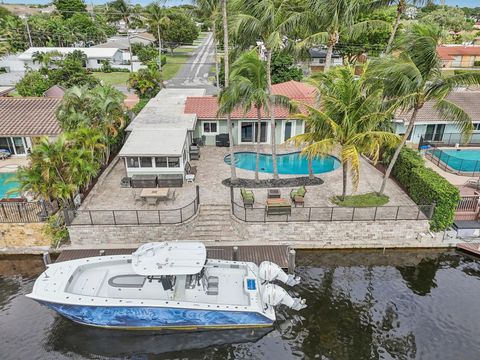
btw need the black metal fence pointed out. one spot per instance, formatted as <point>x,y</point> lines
<point>333,213</point>
<point>25,212</point>
<point>133,217</point>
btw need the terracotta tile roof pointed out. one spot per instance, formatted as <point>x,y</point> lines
<point>28,116</point>
<point>448,52</point>
<point>467,100</point>
<point>206,107</point>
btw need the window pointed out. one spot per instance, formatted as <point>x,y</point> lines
<point>173,162</point>
<point>210,127</point>
<point>457,61</point>
<point>132,162</point>
<point>145,162</point>
<point>99,62</point>
<point>476,126</point>
<point>161,162</point>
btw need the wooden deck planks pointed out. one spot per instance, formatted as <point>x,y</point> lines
<point>472,248</point>
<point>256,254</point>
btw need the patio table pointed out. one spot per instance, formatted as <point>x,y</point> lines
<point>154,194</point>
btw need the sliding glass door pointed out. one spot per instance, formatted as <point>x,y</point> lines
<point>16,145</point>
<point>249,130</point>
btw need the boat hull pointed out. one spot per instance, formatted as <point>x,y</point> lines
<point>158,318</point>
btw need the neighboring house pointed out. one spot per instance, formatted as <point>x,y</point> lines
<point>458,56</point>
<point>24,120</point>
<point>55,92</point>
<point>95,56</point>
<point>144,38</point>
<point>5,90</point>
<point>245,124</point>
<point>430,125</point>
<point>317,59</point>
<point>159,138</point>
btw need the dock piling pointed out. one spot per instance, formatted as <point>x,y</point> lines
<point>291,261</point>
<point>235,253</point>
<point>47,260</point>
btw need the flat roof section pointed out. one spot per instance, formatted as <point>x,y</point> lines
<point>154,142</point>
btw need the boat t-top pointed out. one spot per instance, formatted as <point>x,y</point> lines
<point>165,285</point>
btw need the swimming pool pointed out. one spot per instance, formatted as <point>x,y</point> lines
<point>291,164</point>
<point>6,184</point>
<point>462,160</point>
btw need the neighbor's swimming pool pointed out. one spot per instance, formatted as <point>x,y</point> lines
<point>6,184</point>
<point>291,164</point>
<point>459,159</point>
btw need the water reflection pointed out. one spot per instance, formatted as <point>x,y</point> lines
<point>65,336</point>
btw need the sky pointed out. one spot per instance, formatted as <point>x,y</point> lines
<point>470,3</point>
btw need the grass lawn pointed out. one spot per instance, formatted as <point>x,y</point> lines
<point>362,200</point>
<point>113,78</point>
<point>173,64</point>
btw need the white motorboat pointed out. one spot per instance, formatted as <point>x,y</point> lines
<point>165,285</point>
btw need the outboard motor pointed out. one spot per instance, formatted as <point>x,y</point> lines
<point>275,295</point>
<point>269,271</point>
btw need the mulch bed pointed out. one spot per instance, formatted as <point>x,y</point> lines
<point>273,183</point>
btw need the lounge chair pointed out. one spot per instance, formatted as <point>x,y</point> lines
<point>247,197</point>
<point>298,196</point>
<point>473,183</point>
<point>4,154</point>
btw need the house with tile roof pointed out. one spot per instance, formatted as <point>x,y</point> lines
<point>459,56</point>
<point>431,126</point>
<point>24,120</point>
<point>245,127</point>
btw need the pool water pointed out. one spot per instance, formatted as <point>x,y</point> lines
<point>288,164</point>
<point>6,184</point>
<point>460,160</point>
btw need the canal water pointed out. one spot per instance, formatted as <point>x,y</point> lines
<point>361,305</point>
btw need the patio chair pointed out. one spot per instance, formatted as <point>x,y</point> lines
<point>247,197</point>
<point>4,154</point>
<point>171,194</point>
<point>473,183</point>
<point>298,196</point>
<point>137,198</point>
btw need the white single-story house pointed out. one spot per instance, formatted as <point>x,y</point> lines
<point>209,124</point>
<point>24,120</point>
<point>430,126</point>
<point>95,56</point>
<point>159,138</point>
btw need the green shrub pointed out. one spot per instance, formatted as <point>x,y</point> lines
<point>459,71</point>
<point>56,230</point>
<point>140,105</point>
<point>425,186</point>
<point>476,63</point>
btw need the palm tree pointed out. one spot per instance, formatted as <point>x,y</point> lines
<point>233,172</point>
<point>401,7</point>
<point>212,9</point>
<point>156,18</point>
<point>146,82</point>
<point>45,58</point>
<point>415,77</point>
<point>268,21</point>
<point>248,89</point>
<point>325,20</point>
<point>127,13</point>
<point>346,120</point>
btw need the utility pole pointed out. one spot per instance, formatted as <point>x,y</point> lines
<point>25,18</point>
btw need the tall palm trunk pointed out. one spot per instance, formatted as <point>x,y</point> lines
<point>344,180</point>
<point>129,45</point>
<point>159,48</point>
<point>400,9</point>
<point>331,43</point>
<point>272,114</point>
<point>397,151</point>
<point>233,172</point>
<point>217,69</point>
<point>311,175</point>
<point>257,158</point>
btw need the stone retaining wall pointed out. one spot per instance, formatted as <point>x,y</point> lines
<point>358,234</point>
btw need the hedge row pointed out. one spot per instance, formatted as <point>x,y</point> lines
<point>425,186</point>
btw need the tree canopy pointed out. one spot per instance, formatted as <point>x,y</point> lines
<point>180,30</point>
<point>284,68</point>
<point>69,8</point>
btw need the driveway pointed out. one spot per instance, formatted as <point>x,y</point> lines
<point>194,73</point>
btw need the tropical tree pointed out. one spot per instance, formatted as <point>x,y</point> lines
<point>268,21</point>
<point>226,61</point>
<point>146,82</point>
<point>345,121</point>
<point>45,59</point>
<point>126,12</point>
<point>414,77</point>
<point>249,89</point>
<point>324,21</point>
<point>212,10</point>
<point>156,17</point>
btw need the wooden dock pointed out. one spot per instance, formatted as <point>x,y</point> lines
<point>471,248</point>
<point>256,254</point>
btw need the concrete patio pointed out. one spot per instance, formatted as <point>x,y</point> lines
<point>211,170</point>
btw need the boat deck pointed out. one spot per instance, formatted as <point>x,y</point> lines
<point>472,248</point>
<point>256,254</point>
